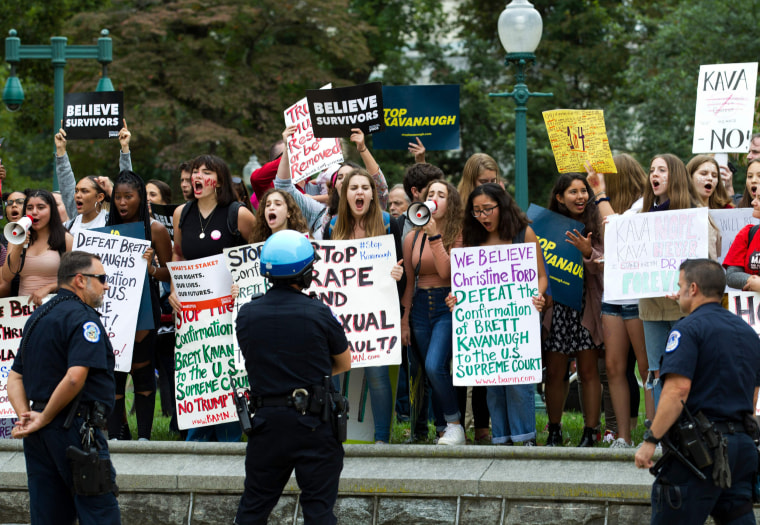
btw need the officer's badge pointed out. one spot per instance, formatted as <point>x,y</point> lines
<point>673,340</point>
<point>91,332</point>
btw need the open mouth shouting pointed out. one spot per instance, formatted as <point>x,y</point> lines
<point>753,190</point>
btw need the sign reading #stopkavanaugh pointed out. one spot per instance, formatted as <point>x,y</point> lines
<point>96,115</point>
<point>335,111</point>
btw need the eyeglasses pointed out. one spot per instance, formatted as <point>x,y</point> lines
<point>17,202</point>
<point>99,276</point>
<point>485,212</point>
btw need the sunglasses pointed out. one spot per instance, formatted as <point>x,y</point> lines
<point>17,202</point>
<point>99,276</point>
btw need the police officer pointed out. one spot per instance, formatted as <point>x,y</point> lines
<point>291,343</point>
<point>64,369</point>
<point>712,364</point>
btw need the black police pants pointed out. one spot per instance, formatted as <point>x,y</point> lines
<point>283,440</point>
<point>51,497</point>
<point>678,496</point>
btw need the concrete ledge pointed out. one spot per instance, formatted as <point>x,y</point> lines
<point>198,483</point>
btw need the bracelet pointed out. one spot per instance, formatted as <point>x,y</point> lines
<point>154,270</point>
<point>603,199</point>
<point>600,193</point>
<point>362,150</point>
<point>434,237</point>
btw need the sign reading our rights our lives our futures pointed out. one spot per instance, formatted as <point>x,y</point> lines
<point>354,279</point>
<point>497,332</point>
<point>307,153</point>
<point>642,251</point>
<point>14,312</point>
<point>96,115</point>
<point>335,111</point>
<point>202,283</point>
<point>430,113</point>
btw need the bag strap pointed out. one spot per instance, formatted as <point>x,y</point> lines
<point>232,219</point>
<point>419,262</point>
<point>752,232</point>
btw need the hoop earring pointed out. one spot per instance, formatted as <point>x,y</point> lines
<point>99,206</point>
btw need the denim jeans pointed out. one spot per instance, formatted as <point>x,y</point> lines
<point>513,412</point>
<point>380,398</point>
<point>656,337</point>
<point>430,320</point>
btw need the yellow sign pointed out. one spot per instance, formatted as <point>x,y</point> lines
<point>577,136</point>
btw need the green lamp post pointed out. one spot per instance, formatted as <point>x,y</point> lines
<point>57,52</point>
<point>520,28</point>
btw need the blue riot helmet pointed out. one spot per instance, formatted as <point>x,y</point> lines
<point>288,254</point>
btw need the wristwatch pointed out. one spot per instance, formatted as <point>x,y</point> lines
<point>649,437</point>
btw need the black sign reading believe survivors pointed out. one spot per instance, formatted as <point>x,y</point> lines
<point>96,115</point>
<point>335,111</point>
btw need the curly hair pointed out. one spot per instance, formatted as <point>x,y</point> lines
<point>591,218</point>
<point>296,221</point>
<point>372,219</point>
<point>134,181</point>
<point>512,220</point>
<point>453,216</point>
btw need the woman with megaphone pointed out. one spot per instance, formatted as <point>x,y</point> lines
<point>41,242</point>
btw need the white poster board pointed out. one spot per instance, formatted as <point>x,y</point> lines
<point>202,283</point>
<point>730,222</point>
<point>14,313</point>
<point>745,305</point>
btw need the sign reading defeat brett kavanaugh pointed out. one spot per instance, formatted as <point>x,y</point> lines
<point>335,111</point>
<point>95,115</point>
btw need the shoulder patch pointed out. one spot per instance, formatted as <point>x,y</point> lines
<point>673,341</point>
<point>91,332</point>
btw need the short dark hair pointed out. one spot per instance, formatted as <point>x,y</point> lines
<point>185,166</point>
<point>73,263</point>
<point>274,150</point>
<point>419,176</point>
<point>707,274</point>
<point>224,192</point>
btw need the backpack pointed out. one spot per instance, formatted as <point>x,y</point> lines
<point>232,220</point>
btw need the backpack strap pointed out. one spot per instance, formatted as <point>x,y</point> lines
<point>185,212</point>
<point>232,220</point>
<point>751,235</point>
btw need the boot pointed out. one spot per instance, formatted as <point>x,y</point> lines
<point>589,437</point>
<point>555,435</point>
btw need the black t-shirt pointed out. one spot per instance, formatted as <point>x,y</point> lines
<point>69,334</point>
<point>287,339</point>
<point>720,353</point>
<point>216,233</point>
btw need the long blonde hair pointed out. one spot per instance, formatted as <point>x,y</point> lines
<point>719,198</point>
<point>681,192</point>
<point>627,185</point>
<point>373,219</point>
<point>471,171</point>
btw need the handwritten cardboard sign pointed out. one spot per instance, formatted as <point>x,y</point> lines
<point>202,283</point>
<point>577,136</point>
<point>730,222</point>
<point>94,115</point>
<point>725,107</point>
<point>497,332</point>
<point>122,259</point>
<point>747,306</point>
<point>428,112</point>
<point>203,361</point>
<point>335,111</point>
<point>354,279</point>
<point>307,153</point>
<point>642,251</point>
<point>14,313</point>
<point>564,262</point>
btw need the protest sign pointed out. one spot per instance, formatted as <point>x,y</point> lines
<point>725,107</point>
<point>642,251</point>
<point>203,364</point>
<point>747,306</point>
<point>428,112</point>
<point>564,262</point>
<point>308,154</point>
<point>14,312</point>
<point>164,213</point>
<point>335,111</point>
<point>730,222</point>
<point>95,115</point>
<point>122,259</point>
<point>354,279</point>
<point>577,136</point>
<point>202,283</point>
<point>6,426</point>
<point>497,330</point>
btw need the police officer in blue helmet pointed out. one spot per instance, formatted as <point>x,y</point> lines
<point>292,345</point>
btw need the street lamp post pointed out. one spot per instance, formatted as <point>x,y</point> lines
<point>57,52</point>
<point>520,28</point>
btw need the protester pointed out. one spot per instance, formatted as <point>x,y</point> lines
<point>37,262</point>
<point>185,173</point>
<point>575,332</point>
<point>61,207</point>
<point>131,205</point>
<point>201,229</point>
<point>704,172</point>
<point>428,269</point>
<point>479,169</point>
<point>279,212</point>
<point>158,192</point>
<point>398,201</point>
<point>241,193</point>
<point>752,184</point>
<point>621,192</point>
<point>491,218</point>
<point>742,262</point>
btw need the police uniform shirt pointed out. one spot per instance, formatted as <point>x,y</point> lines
<point>720,353</point>
<point>287,339</point>
<point>70,334</point>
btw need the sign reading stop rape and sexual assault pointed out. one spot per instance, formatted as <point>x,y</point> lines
<point>14,312</point>
<point>202,283</point>
<point>354,279</point>
<point>725,108</point>
<point>203,363</point>
<point>307,153</point>
<point>335,111</point>
<point>96,115</point>
<point>747,306</point>
<point>642,251</point>
<point>497,332</point>
<point>122,259</point>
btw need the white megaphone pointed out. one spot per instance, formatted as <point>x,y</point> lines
<point>420,213</point>
<point>16,232</point>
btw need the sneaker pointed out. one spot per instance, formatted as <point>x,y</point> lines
<point>589,437</point>
<point>620,443</point>
<point>554,439</point>
<point>454,435</point>
<point>530,443</point>
<point>609,436</point>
